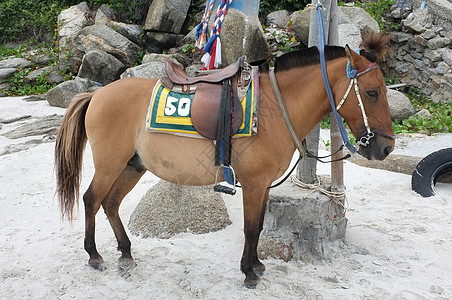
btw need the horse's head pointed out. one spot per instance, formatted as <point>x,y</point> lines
<point>366,109</point>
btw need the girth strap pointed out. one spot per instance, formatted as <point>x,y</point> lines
<point>223,143</point>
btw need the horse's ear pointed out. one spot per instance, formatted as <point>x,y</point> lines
<point>353,57</point>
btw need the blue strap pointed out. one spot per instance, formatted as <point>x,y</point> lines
<point>326,82</point>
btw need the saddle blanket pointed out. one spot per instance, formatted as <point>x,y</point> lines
<point>169,111</point>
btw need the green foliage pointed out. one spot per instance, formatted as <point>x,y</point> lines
<point>20,88</point>
<point>439,120</point>
<point>22,19</point>
<point>268,6</point>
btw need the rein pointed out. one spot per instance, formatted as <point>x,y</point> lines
<point>353,75</point>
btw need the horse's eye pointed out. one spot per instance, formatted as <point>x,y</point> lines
<point>372,94</point>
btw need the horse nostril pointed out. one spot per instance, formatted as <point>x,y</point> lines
<point>387,150</point>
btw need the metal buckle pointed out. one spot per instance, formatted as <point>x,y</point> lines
<point>365,139</point>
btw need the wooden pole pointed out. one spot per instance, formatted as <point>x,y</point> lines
<point>337,168</point>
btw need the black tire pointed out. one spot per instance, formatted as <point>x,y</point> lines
<point>429,170</point>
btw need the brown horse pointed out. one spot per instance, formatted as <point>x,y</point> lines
<point>113,120</point>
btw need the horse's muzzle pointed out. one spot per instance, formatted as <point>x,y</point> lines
<point>378,148</point>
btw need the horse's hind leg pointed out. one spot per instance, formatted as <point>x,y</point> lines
<point>92,199</point>
<point>122,186</point>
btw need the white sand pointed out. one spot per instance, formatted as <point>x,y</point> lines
<point>403,241</point>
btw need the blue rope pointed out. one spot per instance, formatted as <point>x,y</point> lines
<point>326,82</point>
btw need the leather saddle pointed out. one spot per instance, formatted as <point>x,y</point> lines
<point>208,90</point>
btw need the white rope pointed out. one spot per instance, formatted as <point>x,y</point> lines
<point>335,197</point>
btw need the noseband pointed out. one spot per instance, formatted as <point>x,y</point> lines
<point>364,140</point>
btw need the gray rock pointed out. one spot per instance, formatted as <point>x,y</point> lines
<point>437,42</point>
<point>102,37</point>
<point>149,70</point>
<point>447,56</point>
<point>41,59</point>
<point>400,37</point>
<point>14,63</point>
<point>45,125</point>
<point>35,74</point>
<point>164,40</point>
<point>350,35</point>
<point>7,73</point>
<point>54,77</point>
<point>403,68</point>
<point>100,67</point>
<point>71,21</point>
<point>418,20</point>
<point>400,107</point>
<point>361,19</point>
<point>4,87</point>
<point>434,55</point>
<point>442,68</point>
<point>168,209</point>
<point>155,57</point>
<point>428,34</point>
<point>424,113</point>
<point>243,35</point>
<point>278,18</point>
<point>300,25</point>
<point>62,94</point>
<point>394,163</point>
<point>167,15</point>
<point>105,16</point>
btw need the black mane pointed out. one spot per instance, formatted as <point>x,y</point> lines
<point>306,57</point>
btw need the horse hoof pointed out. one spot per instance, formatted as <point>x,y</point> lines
<point>124,266</point>
<point>259,269</point>
<point>97,264</point>
<point>252,283</point>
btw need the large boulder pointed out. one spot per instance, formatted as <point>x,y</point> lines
<point>14,63</point>
<point>62,94</point>
<point>279,18</point>
<point>7,72</point>
<point>105,16</point>
<point>400,107</point>
<point>358,17</point>
<point>353,24</point>
<point>70,22</point>
<point>350,35</point>
<point>101,67</point>
<point>162,40</point>
<point>101,37</point>
<point>242,35</point>
<point>167,15</point>
<point>300,25</point>
<point>154,69</point>
<point>168,209</point>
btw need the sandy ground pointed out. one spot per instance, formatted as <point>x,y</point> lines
<point>402,242</point>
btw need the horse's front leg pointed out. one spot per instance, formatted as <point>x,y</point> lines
<point>254,209</point>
